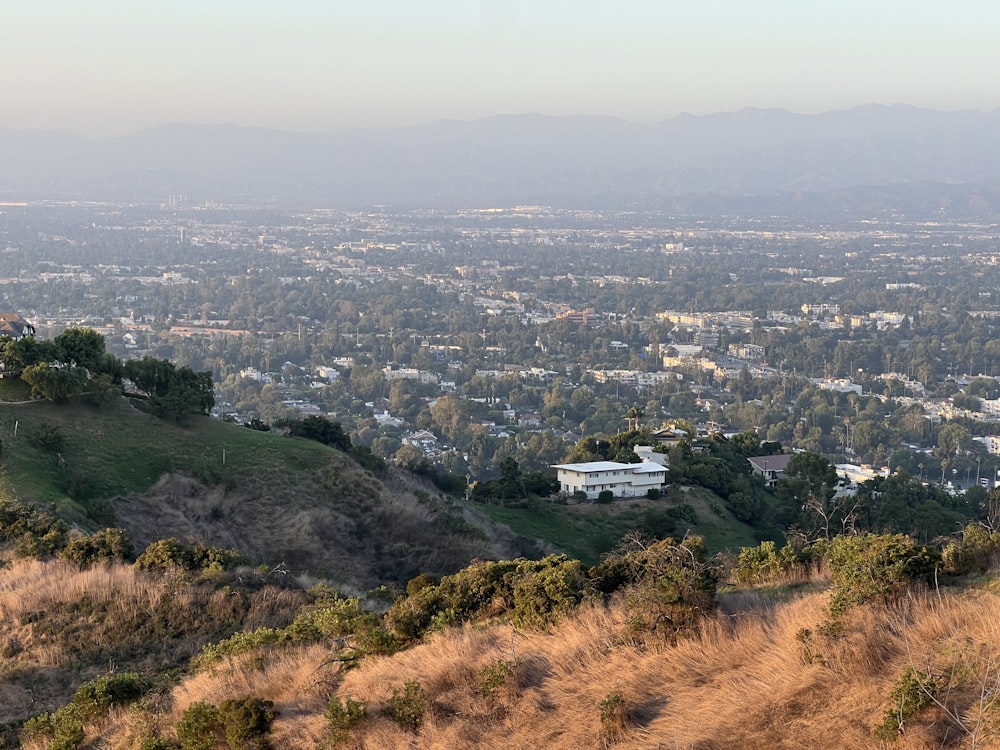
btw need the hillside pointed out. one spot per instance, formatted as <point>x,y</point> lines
<point>273,498</point>
<point>769,669</point>
<point>587,531</point>
<point>297,503</point>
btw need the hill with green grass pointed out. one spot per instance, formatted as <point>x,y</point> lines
<point>297,504</point>
<point>278,500</point>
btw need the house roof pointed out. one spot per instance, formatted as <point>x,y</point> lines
<point>12,324</point>
<point>771,463</point>
<point>646,467</point>
<point>590,466</point>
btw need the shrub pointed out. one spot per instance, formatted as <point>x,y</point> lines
<point>976,553</point>
<point>63,729</point>
<point>407,707</point>
<point>614,717</point>
<point>102,546</point>
<point>68,736</point>
<point>247,722</point>
<point>494,677</point>
<point>239,643</point>
<point>157,743</point>
<point>164,554</point>
<point>93,699</point>
<point>875,568</point>
<point>47,437</point>
<point>200,727</point>
<point>670,585</point>
<point>913,693</point>
<point>605,496</point>
<point>544,590</point>
<point>766,563</point>
<point>420,582</point>
<point>33,533</point>
<point>344,716</point>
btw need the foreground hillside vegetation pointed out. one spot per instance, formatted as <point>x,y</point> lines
<point>866,641</point>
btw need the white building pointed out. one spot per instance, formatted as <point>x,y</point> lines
<point>623,480</point>
<point>992,443</point>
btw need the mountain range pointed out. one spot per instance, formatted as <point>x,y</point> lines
<point>875,156</point>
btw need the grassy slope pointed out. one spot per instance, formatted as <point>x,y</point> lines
<point>279,499</point>
<point>588,530</point>
<point>745,682</point>
<point>273,498</point>
<point>119,449</point>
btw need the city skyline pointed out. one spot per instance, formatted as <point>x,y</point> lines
<point>108,67</point>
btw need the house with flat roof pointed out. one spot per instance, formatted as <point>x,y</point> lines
<point>623,480</point>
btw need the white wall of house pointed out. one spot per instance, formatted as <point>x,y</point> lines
<point>623,480</point>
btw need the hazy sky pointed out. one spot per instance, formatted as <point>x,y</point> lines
<point>104,67</point>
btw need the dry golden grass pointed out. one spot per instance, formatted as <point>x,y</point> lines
<point>750,679</point>
<point>32,585</point>
<point>744,683</point>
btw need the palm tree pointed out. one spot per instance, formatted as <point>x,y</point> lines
<point>633,415</point>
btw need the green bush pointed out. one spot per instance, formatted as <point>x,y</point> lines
<point>419,583</point>
<point>614,716</point>
<point>239,643</point>
<point>605,496</point>
<point>33,533</point>
<point>977,552</point>
<point>93,699</point>
<point>164,554</point>
<point>247,722</point>
<point>63,729</point>
<point>546,589</point>
<point>766,562</point>
<point>344,716</point>
<point>874,568</point>
<point>105,545</point>
<point>47,437</point>
<point>670,586</point>
<point>68,736</point>
<point>200,728</point>
<point>407,707</point>
<point>913,693</point>
<point>157,743</point>
<point>495,677</point>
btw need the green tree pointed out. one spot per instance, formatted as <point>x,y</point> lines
<point>17,354</point>
<point>811,485</point>
<point>81,347</point>
<point>57,384</point>
<point>150,375</point>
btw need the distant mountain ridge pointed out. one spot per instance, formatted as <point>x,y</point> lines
<point>908,156</point>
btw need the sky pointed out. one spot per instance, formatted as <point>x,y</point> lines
<point>110,67</point>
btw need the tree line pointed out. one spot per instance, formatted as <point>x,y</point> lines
<point>76,362</point>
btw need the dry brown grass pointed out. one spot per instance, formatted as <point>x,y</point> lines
<point>747,681</point>
<point>744,683</point>
<point>60,626</point>
<point>338,522</point>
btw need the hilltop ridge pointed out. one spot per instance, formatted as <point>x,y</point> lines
<point>753,158</point>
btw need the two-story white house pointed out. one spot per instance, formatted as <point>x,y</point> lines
<point>623,480</point>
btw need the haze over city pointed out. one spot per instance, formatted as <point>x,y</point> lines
<point>110,67</point>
